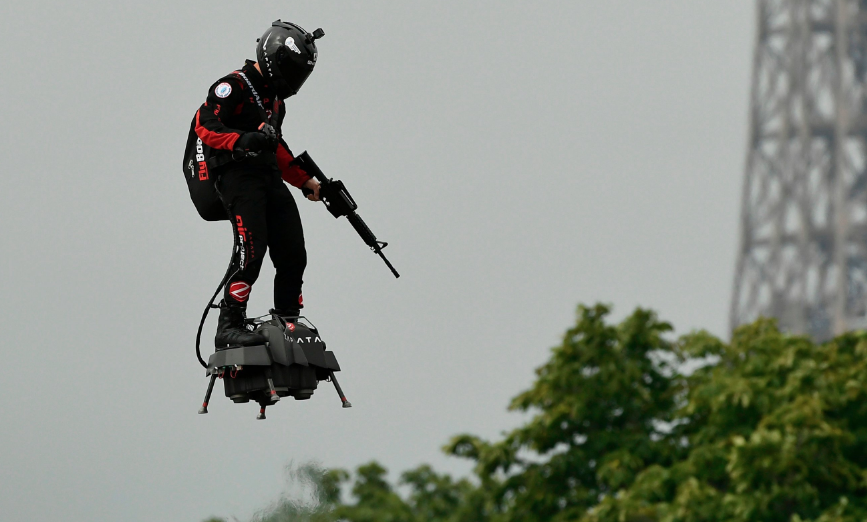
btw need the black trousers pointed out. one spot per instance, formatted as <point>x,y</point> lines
<point>264,216</point>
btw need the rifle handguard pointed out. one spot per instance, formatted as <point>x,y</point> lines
<point>339,202</point>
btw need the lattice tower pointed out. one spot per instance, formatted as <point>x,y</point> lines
<point>803,251</point>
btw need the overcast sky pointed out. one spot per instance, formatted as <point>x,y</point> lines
<point>520,158</point>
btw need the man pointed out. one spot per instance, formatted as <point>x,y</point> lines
<point>241,124</point>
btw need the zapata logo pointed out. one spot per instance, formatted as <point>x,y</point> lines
<point>240,291</point>
<point>290,43</point>
<point>290,326</point>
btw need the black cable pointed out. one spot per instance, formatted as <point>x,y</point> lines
<point>226,278</point>
<point>236,249</point>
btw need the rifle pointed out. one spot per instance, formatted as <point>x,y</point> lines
<point>338,201</point>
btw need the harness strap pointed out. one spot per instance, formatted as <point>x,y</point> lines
<point>260,158</point>
<point>262,113</point>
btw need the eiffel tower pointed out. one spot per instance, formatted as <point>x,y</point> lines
<point>803,227</point>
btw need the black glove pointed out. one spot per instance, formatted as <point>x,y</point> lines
<point>263,140</point>
<point>270,133</point>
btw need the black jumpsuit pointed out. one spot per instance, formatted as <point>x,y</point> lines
<point>263,211</point>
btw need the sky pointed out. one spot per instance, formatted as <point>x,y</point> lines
<point>520,158</point>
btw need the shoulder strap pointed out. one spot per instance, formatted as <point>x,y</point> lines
<point>258,99</point>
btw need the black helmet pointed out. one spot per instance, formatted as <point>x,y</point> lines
<point>286,55</point>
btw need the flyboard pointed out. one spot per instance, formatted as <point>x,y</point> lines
<point>294,359</point>
<point>290,364</point>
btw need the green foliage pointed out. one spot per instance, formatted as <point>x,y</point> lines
<point>774,431</point>
<point>376,501</point>
<point>432,497</point>
<point>599,403</point>
<point>770,428</point>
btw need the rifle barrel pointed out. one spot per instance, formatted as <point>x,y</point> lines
<point>393,271</point>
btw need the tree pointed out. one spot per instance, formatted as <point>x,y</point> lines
<point>600,404</point>
<point>376,500</point>
<point>432,497</point>
<point>773,431</point>
<point>314,493</point>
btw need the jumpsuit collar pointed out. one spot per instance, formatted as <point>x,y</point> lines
<point>257,79</point>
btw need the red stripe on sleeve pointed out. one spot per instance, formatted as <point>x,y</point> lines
<point>216,140</point>
<point>292,174</point>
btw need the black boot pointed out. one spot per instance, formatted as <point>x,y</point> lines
<point>231,331</point>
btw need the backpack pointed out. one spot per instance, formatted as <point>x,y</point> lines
<point>199,159</point>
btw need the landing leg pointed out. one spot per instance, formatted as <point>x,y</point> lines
<point>261,415</point>
<point>273,392</point>
<point>346,403</point>
<point>204,408</point>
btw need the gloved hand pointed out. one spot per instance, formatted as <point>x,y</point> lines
<point>263,140</point>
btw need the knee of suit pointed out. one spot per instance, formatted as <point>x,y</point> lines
<point>254,251</point>
<point>296,260</point>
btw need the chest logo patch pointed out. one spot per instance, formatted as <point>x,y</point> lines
<point>290,43</point>
<point>223,90</point>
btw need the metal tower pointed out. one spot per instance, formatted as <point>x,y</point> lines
<point>803,251</point>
